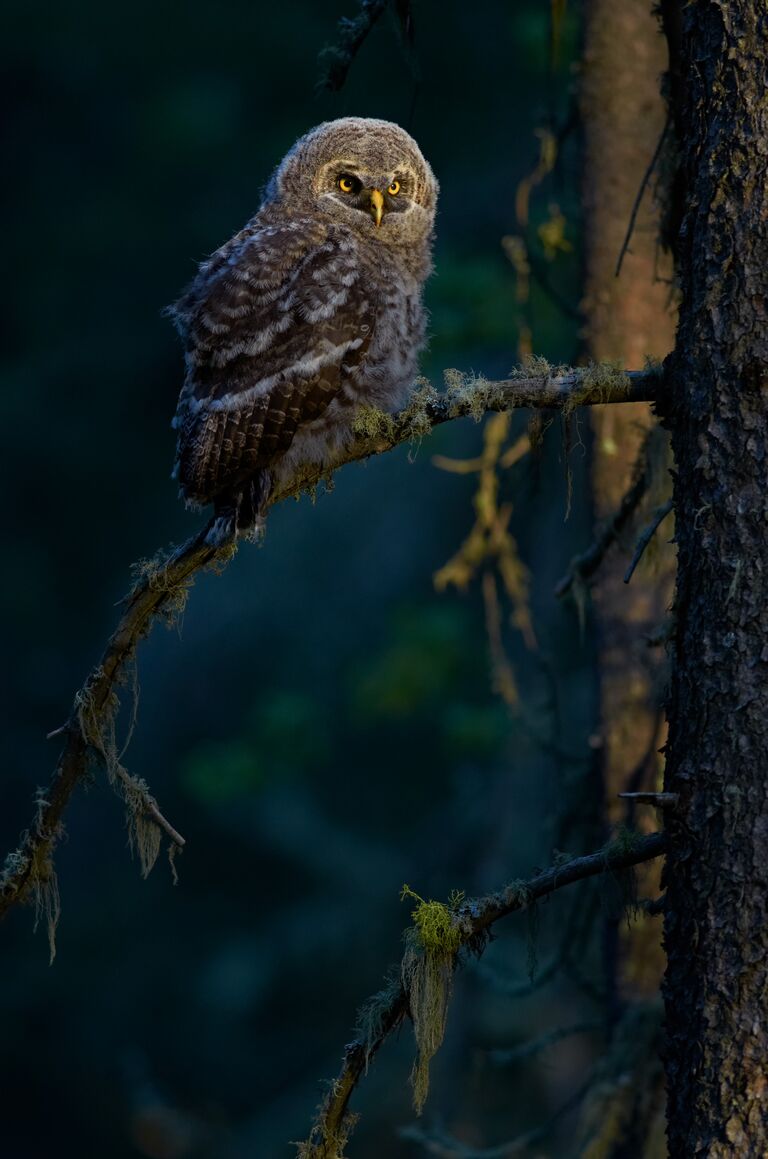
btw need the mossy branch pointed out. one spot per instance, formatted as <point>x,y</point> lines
<point>443,931</point>
<point>161,587</point>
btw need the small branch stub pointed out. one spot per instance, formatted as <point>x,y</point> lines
<point>660,800</point>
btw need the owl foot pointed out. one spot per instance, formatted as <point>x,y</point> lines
<point>252,506</point>
<point>223,530</point>
<point>242,514</point>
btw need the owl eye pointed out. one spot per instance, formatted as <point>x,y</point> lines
<point>348,184</point>
<point>394,189</point>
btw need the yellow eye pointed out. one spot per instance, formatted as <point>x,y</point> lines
<point>394,189</point>
<point>346,184</point>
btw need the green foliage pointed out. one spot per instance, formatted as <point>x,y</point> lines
<point>471,303</point>
<point>284,737</point>
<point>217,771</point>
<point>475,731</point>
<point>290,731</point>
<point>419,668</point>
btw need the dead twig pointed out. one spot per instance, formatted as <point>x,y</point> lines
<point>585,565</point>
<point>445,1146</point>
<point>513,1055</point>
<point>638,200</point>
<point>149,805</point>
<point>659,515</point>
<point>660,800</point>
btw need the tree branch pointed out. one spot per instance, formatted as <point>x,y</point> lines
<point>336,60</point>
<point>162,584</point>
<point>659,515</point>
<point>442,1145</point>
<point>512,1055</point>
<point>473,918</point>
<point>585,565</point>
<point>638,199</point>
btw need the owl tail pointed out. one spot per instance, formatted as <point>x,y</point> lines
<point>243,513</point>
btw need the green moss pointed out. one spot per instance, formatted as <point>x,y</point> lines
<point>625,841</point>
<point>435,923</point>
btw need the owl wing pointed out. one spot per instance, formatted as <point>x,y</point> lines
<point>272,324</point>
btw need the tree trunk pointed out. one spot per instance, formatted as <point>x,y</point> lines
<point>716,925</point>
<point>628,318</point>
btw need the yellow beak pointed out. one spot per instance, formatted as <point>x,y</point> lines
<point>377,206</point>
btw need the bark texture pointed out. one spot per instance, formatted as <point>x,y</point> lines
<point>716,926</point>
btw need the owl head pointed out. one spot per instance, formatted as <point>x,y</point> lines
<point>369,175</point>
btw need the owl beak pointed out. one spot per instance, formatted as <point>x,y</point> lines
<point>376,206</point>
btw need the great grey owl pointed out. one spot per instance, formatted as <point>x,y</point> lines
<point>312,310</point>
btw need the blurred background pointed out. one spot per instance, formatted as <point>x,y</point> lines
<point>326,723</point>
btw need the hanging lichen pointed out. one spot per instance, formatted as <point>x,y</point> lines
<point>47,902</point>
<point>490,550</point>
<point>370,1017</point>
<point>98,725</point>
<point>41,886</point>
<point>431,946</point>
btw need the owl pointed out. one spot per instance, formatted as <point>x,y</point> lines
<point>311,311</point>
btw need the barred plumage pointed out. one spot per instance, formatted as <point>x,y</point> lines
<point>312,309</point>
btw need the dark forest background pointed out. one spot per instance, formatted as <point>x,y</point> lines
<point>323,726</point>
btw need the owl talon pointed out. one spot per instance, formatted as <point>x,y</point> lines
<point>223,530</point>
<point>256,533</point>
